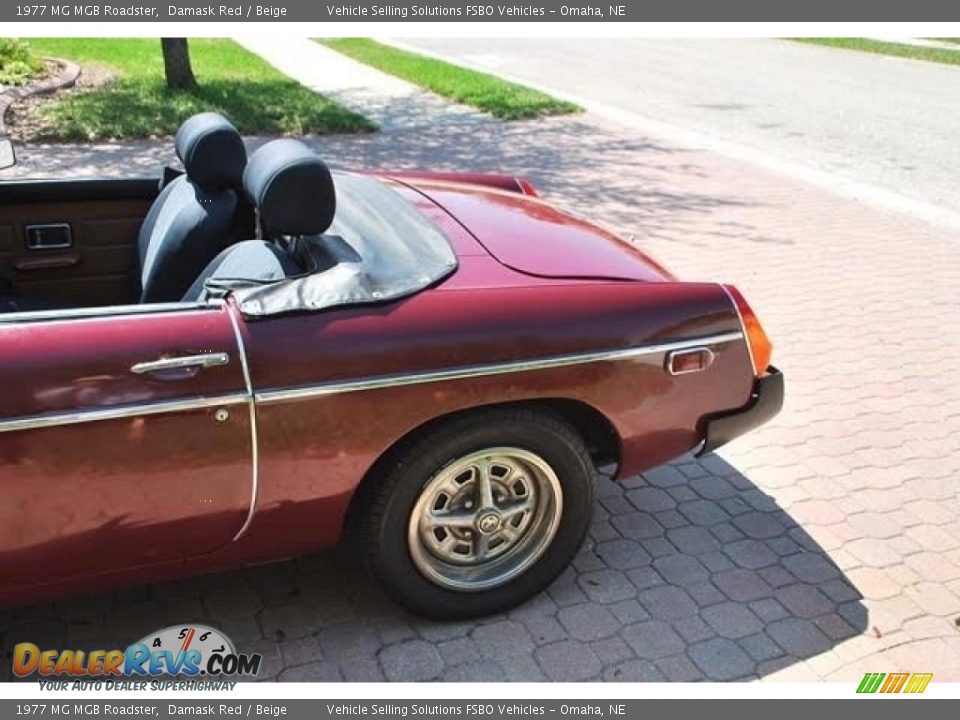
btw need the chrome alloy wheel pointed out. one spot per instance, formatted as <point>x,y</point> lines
<point>485,518</point>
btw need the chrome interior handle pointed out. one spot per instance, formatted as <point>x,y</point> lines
<point>185,361</point>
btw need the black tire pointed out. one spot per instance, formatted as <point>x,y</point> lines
<point>391,497</point>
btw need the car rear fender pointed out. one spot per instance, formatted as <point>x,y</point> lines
<point>337,390</point>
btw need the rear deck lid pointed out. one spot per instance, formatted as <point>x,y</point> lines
<point>533,237</point>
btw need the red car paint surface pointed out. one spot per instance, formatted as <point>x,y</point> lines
<point>566,246</point>
<point>92,504</point>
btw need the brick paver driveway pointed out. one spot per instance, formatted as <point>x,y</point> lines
<point>824,545</point>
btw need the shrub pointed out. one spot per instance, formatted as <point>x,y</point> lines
<point>17,63</point>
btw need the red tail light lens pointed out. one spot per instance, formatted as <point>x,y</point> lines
<point>761,349</point>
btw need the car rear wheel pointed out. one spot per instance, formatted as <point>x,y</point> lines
<point>480,513</point>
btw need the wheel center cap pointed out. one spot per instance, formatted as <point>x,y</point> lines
<point>488,523</point>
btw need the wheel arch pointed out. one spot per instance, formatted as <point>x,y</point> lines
<point>597,431</point>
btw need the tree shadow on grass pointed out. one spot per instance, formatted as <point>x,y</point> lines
<point>143,109</point>
<point>690,572</point>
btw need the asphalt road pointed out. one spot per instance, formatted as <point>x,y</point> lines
<point>884,121</point>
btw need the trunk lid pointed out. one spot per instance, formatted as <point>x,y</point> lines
<point>535,238</point>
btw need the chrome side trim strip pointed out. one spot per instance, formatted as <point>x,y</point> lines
<point>743,327</point>
<point>472,371</point>
<point>120,412</point>
<point>107,311</point>
<point>254,439</point>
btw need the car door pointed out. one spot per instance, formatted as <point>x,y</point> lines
<point>72,241</point>
<point>125,439</point>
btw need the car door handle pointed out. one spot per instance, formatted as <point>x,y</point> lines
<point>46,263</point>
<point>199,362</point>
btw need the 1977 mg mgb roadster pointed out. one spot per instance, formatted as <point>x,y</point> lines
<point>252,358</point>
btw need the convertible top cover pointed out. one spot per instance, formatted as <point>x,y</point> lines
<point>378,248</point>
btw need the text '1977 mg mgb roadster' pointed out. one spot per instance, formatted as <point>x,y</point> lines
<point>255,357</point>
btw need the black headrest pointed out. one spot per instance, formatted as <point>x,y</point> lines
<point>211,150</point>
<point>291,188</point>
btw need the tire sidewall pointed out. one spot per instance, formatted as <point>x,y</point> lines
<point>557,445</point>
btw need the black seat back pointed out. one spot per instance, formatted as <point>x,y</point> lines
<point>190,221</point>
<point>293,192</point>
<point>291,188</point>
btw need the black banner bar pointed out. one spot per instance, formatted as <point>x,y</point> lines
<point>611,11</point>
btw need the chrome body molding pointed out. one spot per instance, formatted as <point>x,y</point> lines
<point>743,327</point>
<point>501,368</point>
<point>108,311</point>
<point>252,398</point>
<point>232,312</point>
<point>120,412</point>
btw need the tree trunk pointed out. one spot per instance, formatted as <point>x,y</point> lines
<point>176,63</point>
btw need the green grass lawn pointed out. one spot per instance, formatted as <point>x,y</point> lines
<point>230,80</point>
<point>502,99</point>
<point>882,47</point>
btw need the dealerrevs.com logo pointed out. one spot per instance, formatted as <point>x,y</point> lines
<point>180,650</point>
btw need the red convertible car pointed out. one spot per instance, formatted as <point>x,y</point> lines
<point>254,357</point>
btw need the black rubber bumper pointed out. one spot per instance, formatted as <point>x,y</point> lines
<point>765,402</point>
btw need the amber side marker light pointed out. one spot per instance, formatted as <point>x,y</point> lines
<point>761,349</point>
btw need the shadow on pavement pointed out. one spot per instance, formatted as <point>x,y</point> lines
<point>690,572</point>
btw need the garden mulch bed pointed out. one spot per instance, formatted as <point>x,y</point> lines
<point>19,106</point>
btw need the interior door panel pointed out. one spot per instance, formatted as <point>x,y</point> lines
<point>104,218</point>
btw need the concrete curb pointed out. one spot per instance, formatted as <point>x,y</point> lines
<point>69,72</point>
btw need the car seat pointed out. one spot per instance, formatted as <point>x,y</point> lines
<point>190,221</point>
<point>293,193</point>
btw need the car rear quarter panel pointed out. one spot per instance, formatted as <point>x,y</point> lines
<point>539,239</point>
<point>315,450</point>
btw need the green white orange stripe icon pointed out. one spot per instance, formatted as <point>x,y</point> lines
<point>894,682</point>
